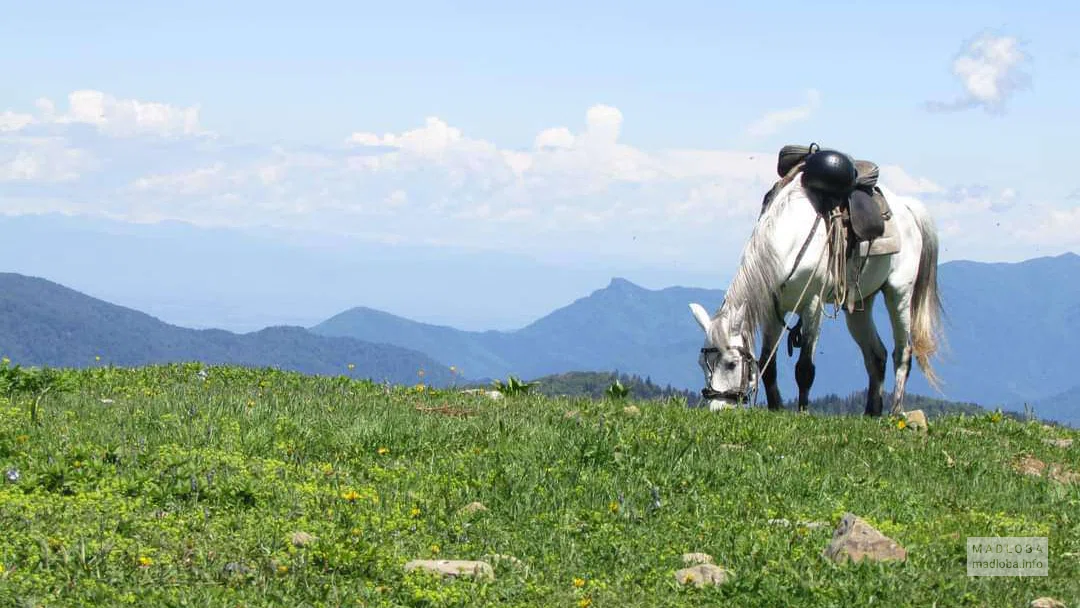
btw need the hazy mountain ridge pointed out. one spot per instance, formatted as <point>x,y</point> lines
<point>44,323</point>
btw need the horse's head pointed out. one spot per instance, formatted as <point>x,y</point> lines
<point>731,371</point>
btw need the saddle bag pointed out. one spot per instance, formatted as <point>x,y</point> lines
<point>866,219</point>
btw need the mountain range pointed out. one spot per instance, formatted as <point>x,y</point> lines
<point>1009,328</point>
<point>43,323</point>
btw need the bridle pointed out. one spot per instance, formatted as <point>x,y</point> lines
<point>747,384</point>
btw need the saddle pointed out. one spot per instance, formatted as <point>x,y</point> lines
<point>864,207</point>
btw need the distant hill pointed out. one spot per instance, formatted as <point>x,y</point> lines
<point>622,326</point>
<point>1064,406</point>
<point>43,323</point>
<point>1009,329</point>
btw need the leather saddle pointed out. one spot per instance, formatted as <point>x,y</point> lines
<point>838,181</point>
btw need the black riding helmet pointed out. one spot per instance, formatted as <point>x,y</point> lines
<point>829,172</point>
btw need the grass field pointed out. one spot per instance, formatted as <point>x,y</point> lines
<point>159,487</point>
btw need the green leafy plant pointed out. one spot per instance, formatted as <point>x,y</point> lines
<point>616,390</point>
<point>35,383</point>
<point>513,386</point>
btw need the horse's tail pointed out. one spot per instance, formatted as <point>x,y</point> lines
<point>926,309</point>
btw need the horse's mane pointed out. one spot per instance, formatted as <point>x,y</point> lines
<point>759,270</point>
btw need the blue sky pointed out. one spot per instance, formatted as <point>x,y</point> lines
<point>622,137</point>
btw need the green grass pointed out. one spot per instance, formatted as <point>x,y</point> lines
<point>185,492</point>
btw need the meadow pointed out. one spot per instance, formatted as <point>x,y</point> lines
<point>176,485</point>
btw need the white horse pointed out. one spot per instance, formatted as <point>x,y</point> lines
<point>759,297</point>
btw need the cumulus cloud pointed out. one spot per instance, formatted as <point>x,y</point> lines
<point>775,120</point>
<point>575,190</point>
<point>902,182</point>
<point>41,159</point>
<point>112,116</point>
<point>991,69</point>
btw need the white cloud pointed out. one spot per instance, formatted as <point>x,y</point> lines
<point>112,116</point>
<point>773,121</point>
<point>12,121</point>
<point>575,191</point>
<point>991,69</point>
<point>903,183</point>
<point>41,159</point>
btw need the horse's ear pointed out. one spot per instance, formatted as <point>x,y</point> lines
<point>702,316</point>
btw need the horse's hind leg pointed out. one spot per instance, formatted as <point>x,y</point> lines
<point>860,325</point>
<point>899,303</point>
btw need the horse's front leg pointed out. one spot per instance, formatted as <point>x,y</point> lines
<point>770,335</point>
<point>805,370</point>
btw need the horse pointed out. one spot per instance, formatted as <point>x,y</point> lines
<point>785,243</point>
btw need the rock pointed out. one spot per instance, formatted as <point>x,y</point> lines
<point>631,410</point>
<point>691,559</point>
<point>702,575</point>
<point>856,540</point>
<point>454,568</point>
<point>1061,474</point>
<point>1059,443</point>
<point>302,539</point>
<point>473,507</point>
<point>916,420</point>
<point>1029,465</point>
<point>1046,602</point>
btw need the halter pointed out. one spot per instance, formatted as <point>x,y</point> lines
<point>747,384</point>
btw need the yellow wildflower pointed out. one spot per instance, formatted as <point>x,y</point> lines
<point>145,562</point>
<point>414,512</point>
<point>900,424</point>
<point>585,602</point>
<point>579,582</point>
<point>383,451</point>
<point>351,495</point>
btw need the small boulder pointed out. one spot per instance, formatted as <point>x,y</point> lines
<point>302,539</point>
<point>702,575</point>
<point>631,410</point>
<point>472,508</point>
<point>1029,465</point>
<point>1046,602</point>
<point>855,539</point>
<point>916,420</point>
<point>1059,443</point>
<point>454,568</point>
